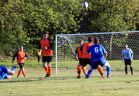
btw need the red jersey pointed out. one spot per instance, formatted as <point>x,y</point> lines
<point>85,47</point>
<point>20,55</point>
<point>79,52</point>
<point>46,43</point>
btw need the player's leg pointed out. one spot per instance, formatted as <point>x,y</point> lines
<point>49,60</point>
<point>78,68</point>
<point>100,71</point>
<point>126,66</point>
<point>44,64</point>
<point>20,70</point>
<point>108,68</point>
<point>94,65</point>
<point>23,72</point>
<point>130,65</point>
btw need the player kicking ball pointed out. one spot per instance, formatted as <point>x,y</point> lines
<point>98,57</point>
<point>6,73</point>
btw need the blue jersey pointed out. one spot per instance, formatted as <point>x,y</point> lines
<point>3,69</point>
<point>127,54</point>
<point>97,52</point>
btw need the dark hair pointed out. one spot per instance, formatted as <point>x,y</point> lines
<point>96,40</point>
<point>90,39</point>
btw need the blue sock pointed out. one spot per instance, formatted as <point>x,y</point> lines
<point>13,68</point>
<point>89,73</point>
<point>3,76</point>
<point>108,69</point>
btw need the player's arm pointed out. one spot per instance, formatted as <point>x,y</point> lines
<point>51,43</point>
<point>26,56</point>
<point>131,54</point>
<point>15,56</point>
<point>105,52</point>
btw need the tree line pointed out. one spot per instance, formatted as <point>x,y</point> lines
<point>23,21</point>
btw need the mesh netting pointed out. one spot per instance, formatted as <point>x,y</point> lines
<point>112,41</point>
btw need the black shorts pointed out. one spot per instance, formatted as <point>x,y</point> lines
<point>127,61</point>
<point>21,65</point>
<point>47,59</point>
<point>84,62</point>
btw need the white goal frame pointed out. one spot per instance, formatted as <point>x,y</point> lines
<point>81,34</point>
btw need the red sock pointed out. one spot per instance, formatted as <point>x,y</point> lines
<point>23,72</point>
<point>19,72</point>
<point>46,69</point>
<point>100,71</point>
<point>49,70</point>
<point>78,70</point>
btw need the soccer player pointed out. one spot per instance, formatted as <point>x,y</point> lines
<point>6,73</point>
<point>127,57</point>
<point>21,56</point>
<point>81,64</point>
<point>86,56</point>
<point>98,57</point>
<point>46,46</point>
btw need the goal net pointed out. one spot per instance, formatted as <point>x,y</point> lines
<point>113,42</point>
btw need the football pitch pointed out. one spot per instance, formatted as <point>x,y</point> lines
<point>66,84</point>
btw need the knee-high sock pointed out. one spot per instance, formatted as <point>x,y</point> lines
<point>19,72</point>
<point>126,69</point>
<point>23,72</point>
<point>89,73</point>
<point>46,69</point>
<point>78,69</point>
<point>49,70</point>
<point>100,70</point>
<point>131,69</point>
<point>108,69</point>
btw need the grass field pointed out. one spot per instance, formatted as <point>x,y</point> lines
<point>66,84</point>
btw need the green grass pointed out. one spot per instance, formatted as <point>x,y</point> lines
<point>66,83</point>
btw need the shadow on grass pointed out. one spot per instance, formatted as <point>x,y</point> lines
<point>13,80</point>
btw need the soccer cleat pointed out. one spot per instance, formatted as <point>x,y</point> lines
<point>86,77</point>
<point>78,76</point>
<point>108,76</point>
<point>47,75</point>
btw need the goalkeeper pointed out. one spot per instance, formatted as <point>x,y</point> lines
<point>6,73</point>
<point>86,56</point>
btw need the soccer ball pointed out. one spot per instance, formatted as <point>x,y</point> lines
<point>84,4</point>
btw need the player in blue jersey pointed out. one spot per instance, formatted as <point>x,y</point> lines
<point>127,57</point>
<point>6,73</point>
<point>98,57</point>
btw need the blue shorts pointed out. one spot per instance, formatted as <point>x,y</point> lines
<point>95,64</point>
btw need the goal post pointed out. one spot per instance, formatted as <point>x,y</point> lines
<point>65,46</point>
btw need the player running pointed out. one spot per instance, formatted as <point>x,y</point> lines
<point>81,64</point>
<point>6,73</point>
<point>45,46</point>
<point>98,57</point>
<point>21,56</point>
<point>86,56</point>
<point>127,57</point>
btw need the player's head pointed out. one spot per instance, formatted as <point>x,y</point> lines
<point>90,39</point>
<point>96,40</point>
<point>81,42</point>
<point>45,35</point>
<point>21,48</point>
<point>126,46</point>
